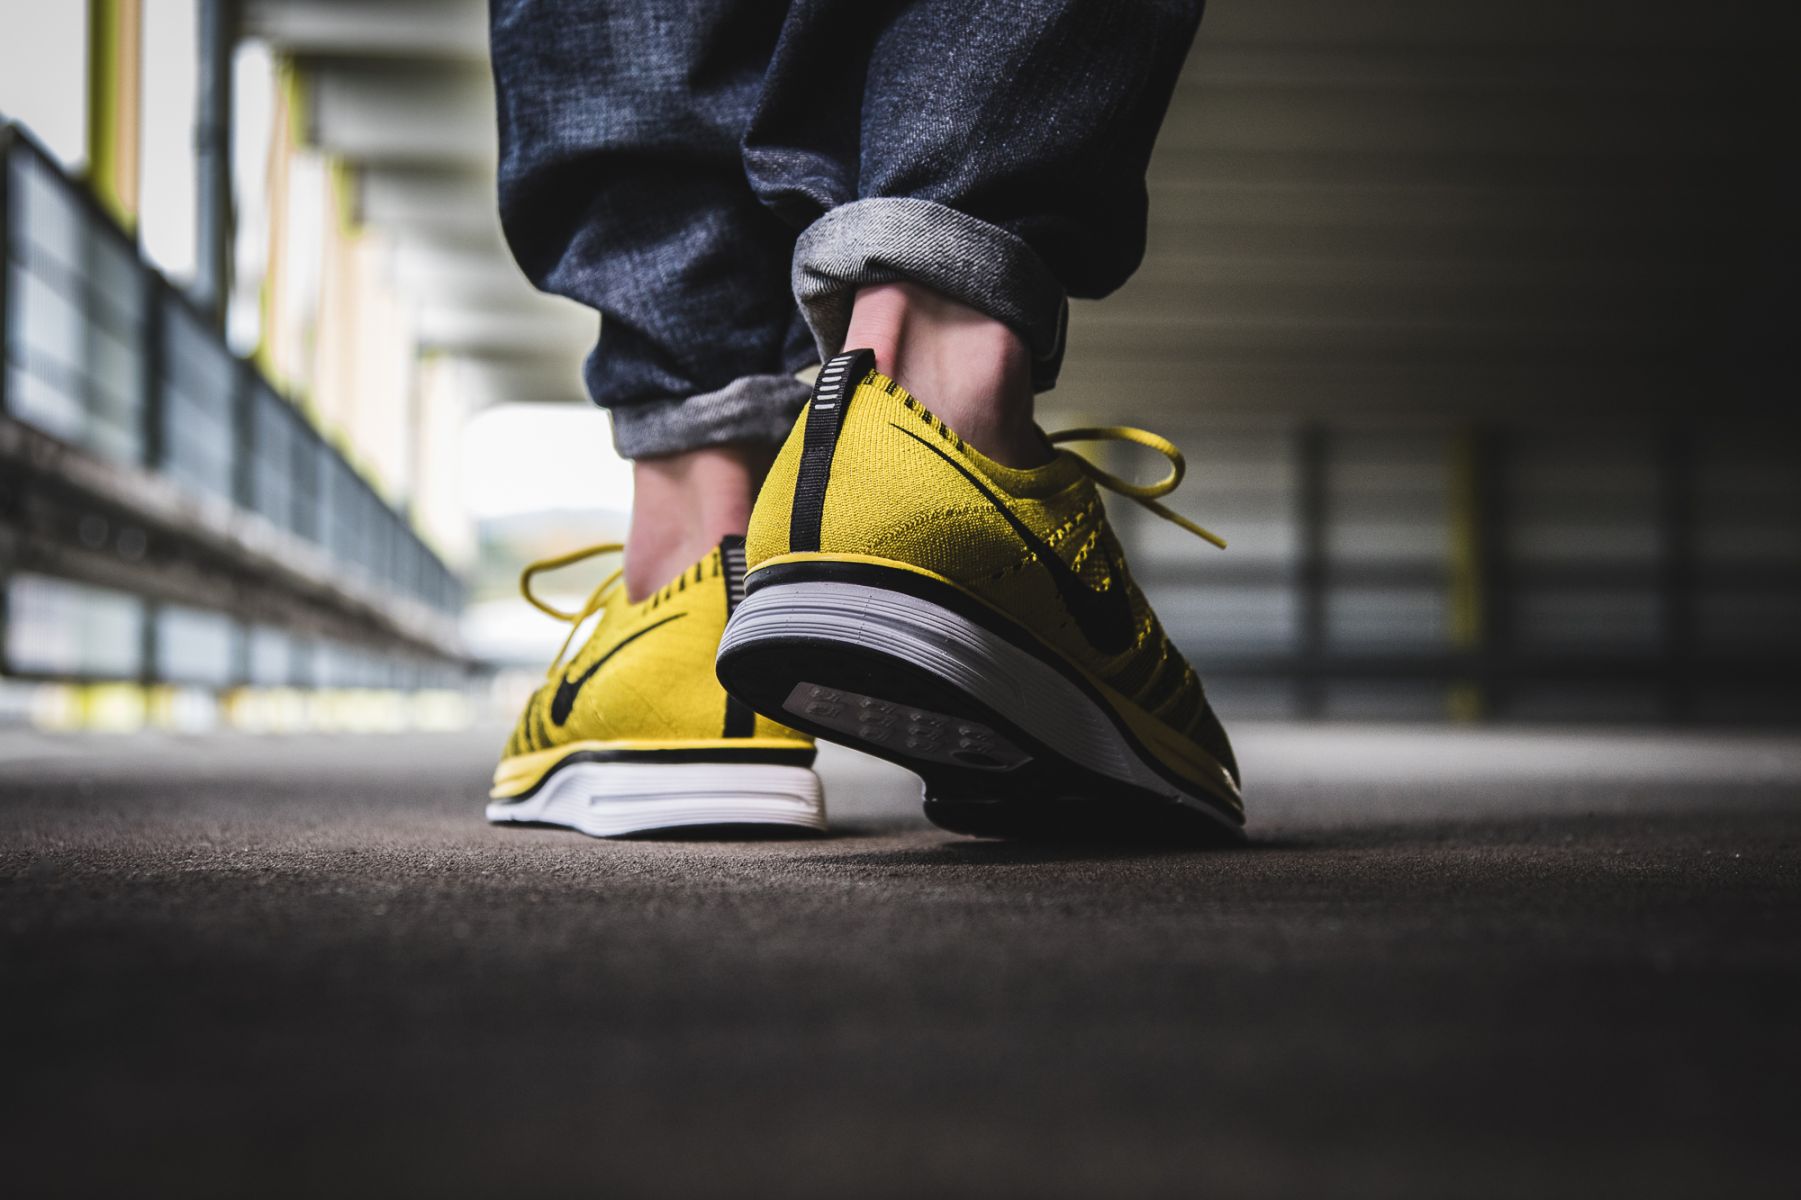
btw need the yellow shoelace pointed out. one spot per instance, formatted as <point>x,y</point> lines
<point>596,599</point>
<point>1144,493</point>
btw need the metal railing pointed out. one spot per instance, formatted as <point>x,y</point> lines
<point>165,514</point>
<point>1599,571</point>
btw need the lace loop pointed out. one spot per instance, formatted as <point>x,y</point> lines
<point>596,599</point>
<point>1145,494</point>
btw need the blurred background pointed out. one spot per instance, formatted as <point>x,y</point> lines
<point>1477,322</point>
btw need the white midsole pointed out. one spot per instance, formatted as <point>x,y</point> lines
<point>607,799</point>
<point>1029,692</point>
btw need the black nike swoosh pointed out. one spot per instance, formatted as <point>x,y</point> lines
<point>564,701</point>
<point>1104,617</point>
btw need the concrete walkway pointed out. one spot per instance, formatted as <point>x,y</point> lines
<point>1452,963</point>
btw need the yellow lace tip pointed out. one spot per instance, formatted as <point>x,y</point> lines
<point>1200,531</point>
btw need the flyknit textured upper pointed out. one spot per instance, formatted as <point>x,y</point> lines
<point>645,673</point>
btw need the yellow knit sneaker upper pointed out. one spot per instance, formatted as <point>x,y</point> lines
<point>904,491</point>
<point>642,683</point>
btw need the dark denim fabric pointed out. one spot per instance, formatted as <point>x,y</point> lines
<point>704,173</point>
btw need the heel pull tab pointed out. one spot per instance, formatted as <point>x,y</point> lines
<point>838,380</point>
<point>731,560</point>
<point>740,718</point>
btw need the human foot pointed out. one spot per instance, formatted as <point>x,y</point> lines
<point>976,370</point>
<point>683,504</point>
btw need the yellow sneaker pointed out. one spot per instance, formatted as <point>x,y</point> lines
<point>635,734</point>
<point>911,598</point>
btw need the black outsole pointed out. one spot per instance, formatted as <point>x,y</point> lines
<point>1048,797</point>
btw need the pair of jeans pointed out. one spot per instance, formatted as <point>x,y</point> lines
<point>717,178</point>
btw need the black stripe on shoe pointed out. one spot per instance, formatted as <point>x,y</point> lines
<point>740,718</point>
<point>838,380</point>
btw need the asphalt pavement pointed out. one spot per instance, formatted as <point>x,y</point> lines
<point>1451,962</point>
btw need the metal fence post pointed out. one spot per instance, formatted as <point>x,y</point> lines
<point>1310,571</point>
<point>1494,594</point>
<point>150,397</point>
<point>1466,579</point>
<point>8,500</point>
<point>212,161</point>
<point>7,139</point>
<point>1676,574</point>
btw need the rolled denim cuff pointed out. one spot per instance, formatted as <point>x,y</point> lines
<point>898,239</point>
<point>755,408</point>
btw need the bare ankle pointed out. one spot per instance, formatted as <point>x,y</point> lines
<point>683,504</point>
<point>972,371</point>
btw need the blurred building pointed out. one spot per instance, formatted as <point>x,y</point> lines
<point>1478,321</point>
<point>1475,321</point>
<point>231,436</point>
